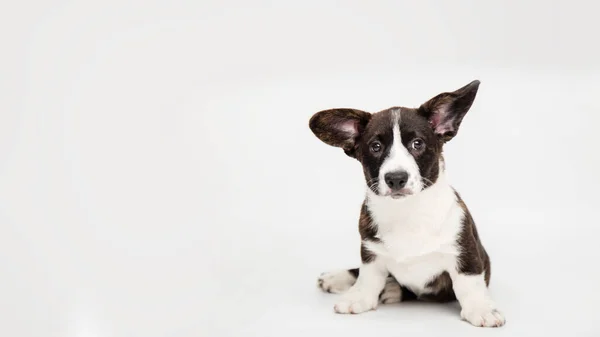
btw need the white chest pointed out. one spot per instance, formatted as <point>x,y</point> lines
<point>416,273</point>
<point>418,235</point>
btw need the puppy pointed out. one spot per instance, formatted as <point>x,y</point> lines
<point>418,239</point>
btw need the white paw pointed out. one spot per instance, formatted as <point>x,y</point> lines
<point>483,316</point>
<point>392,293</point>
<point>336,282</point>
<point>356,302</point>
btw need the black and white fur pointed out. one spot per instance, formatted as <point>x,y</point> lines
<point>418,239</point>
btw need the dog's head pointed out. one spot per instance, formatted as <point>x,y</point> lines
<point>399,148</point>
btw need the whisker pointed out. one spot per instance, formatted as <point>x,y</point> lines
<point>374,180</point>
<point>427,181</point>
<point>373,184</point>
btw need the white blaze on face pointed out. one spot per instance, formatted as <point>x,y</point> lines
<point>399,159</point>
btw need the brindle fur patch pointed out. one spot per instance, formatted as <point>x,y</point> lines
<point>473,258</point>
<point>367,229</point>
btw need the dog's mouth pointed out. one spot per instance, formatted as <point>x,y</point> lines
<point>400,193</point>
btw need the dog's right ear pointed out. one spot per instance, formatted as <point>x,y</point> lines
<point>340,127</point>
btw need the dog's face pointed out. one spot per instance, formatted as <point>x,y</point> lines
<point>399,148</point>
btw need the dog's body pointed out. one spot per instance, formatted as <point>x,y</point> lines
<point>418,239</point>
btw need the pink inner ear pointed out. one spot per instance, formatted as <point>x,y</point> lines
<point>441,126</point>
<point>350,127</point>
<point>435,120</point>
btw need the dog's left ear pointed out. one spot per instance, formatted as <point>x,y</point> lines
<point>446,110</point>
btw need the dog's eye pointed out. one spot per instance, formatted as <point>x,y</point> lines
<point>375,146</point>
<point>417,144</point>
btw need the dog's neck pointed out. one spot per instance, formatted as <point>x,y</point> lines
<point>430,204</point>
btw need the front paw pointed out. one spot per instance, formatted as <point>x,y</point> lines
<point>356,302</point>
<point>483,316</point>
<point>336,282</point>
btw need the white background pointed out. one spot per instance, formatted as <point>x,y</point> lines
<point>158,176</point>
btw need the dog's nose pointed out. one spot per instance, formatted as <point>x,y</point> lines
<point>396,180</point>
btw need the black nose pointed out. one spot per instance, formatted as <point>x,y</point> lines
<point>396,180</point>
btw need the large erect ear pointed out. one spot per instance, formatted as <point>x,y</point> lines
<point>340,127</point>
<point>446,110</point>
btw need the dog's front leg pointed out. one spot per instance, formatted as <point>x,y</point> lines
<point>364,294</point>
<point>477,306</point>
